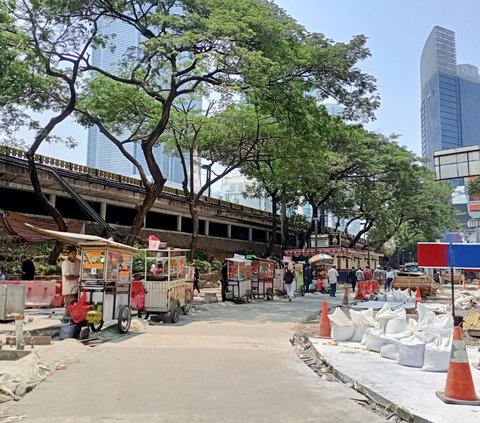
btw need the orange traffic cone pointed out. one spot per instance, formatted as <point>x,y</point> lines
<point>418,297</point>
<point>360,291</point>
<point>459,388</point>
<point>325,328</point>
<point>345,296</point>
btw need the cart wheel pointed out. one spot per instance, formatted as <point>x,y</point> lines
<point>174,313</point>
<point>302,290</point>
<point>248,296</point>
<point>188,302</point>
<point>95,327</point>
<point>124,319</point>
<point>269,294</point>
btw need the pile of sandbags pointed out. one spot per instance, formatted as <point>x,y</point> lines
<point>425,343</point>
<point>466,300</point>
<point>396,295</point>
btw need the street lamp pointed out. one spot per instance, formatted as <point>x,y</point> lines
<point>208,168</point>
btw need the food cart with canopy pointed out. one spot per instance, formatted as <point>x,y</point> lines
<point>321,264</point>
<point>104,283</point>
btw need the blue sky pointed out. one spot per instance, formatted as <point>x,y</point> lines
<point>397,30</point>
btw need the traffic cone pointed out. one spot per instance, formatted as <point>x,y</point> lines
<point>345,296</point>
<point>360,288</point>
<point>325,328</point>
<point>418,297</point>
<point>459,388</point>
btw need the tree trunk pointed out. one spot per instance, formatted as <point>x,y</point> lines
<point>354,241</point>
<point>271,242</point>
<point>284,225</point>
<point>151,195</point>
<point>47,206</point>
<point>195,229</point>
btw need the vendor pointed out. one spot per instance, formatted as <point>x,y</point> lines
<point>70,276</point>
<point>159,270</point>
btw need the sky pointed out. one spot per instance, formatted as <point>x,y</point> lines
<point>396,31</point>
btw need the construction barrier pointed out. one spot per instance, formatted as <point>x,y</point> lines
<point>58,299</point>
<point>376,287</point>
<point>360,290</point>
<point>38,293</point>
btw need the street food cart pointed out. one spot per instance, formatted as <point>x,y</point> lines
<point>166,290</point>
<point>239,282</point>
<point>321,264</point>
<point>262,271</point>
<point>104,283</point>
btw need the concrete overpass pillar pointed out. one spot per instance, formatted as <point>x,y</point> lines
<point>229,231</point>
<point>207,227</point>
<point>52,198</point>
<point>179,223</point>
<point>250,234</point>
<point>103,210</point>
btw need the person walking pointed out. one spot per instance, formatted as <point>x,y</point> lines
<point>367,273</point>
<point>308,276</point>
<point>288,278</point>
<point>196,278</point>
<point>27,268</point>
<point>389,279</point>
<point>379,275</point>
<point>332,276</point>
<point>224,280</point>
<point>352,278</point>
<point>70,276</point>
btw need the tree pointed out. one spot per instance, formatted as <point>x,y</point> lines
<point>230,137</point>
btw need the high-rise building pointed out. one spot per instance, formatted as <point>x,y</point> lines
<point>102,153</point>
<point>450,96</point>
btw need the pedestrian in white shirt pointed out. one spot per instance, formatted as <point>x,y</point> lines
<point>332,276</point>
<point>70,276</point>
<point>389,280</point>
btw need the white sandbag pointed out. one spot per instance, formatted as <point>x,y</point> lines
<point>406,295</point>
<point>395,326</point>
<point>411,352</point>
<point>389,297</point>
<point>390,350</point>
<point>342,327</point>
<point>437,358</point>
<point>362,320</point>
<point>397,295</point>
<point>425,315</point>
<point>374,340</point>
<point>381,297</point>
<point>409,330</point>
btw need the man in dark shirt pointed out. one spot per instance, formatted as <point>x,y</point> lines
<point>224,279</point>
<point>27,268</point>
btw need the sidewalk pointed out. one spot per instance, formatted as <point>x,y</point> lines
<point>409,391</point>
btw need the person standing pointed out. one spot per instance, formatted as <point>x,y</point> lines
<point>70,276</point>
<point>196,277</point>
<point>389,279</point>
<point>352,278</point>
<point>367,273</point>
<point>332,276</point>
<point>224,280</point>
<point>308,276</point>
<point>379,275</point>
<point>27,268</point>
<point>288,278</point>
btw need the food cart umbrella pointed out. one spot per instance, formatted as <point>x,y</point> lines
<point>79,239</point>
<point>320,257</point>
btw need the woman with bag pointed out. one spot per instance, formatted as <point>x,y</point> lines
<point>288,279</point>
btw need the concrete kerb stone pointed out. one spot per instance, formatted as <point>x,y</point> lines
<point>367,392</point>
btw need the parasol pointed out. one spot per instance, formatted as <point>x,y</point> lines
<point>320,257</point>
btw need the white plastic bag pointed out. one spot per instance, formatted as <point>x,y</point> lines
<point>397,325</point>
<point>342,327</point>
<point>374,340</point>
<point>411,352</point>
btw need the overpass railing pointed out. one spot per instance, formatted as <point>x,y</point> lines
<point>111,176</point>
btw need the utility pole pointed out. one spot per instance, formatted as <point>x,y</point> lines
<point>315,219</point>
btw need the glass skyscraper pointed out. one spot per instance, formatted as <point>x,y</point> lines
<point>450,96</point>
<point>102,153</point>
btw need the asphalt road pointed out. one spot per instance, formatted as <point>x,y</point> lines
<point>227,363</point>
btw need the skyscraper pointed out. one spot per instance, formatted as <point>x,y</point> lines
<point>450,96</point>
<point>102,153</point>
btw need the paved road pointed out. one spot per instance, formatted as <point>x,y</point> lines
<point>230,363</point>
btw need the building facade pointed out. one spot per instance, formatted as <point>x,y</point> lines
<point>450,96</point>
<point>102,153</point>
